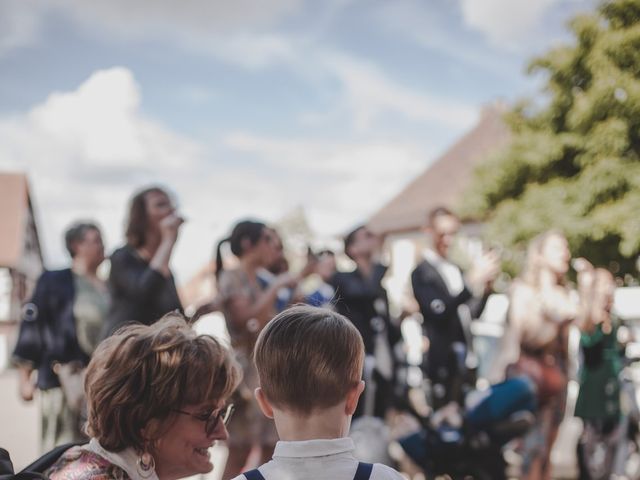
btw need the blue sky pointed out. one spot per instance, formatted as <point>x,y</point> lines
<point>250,107</point>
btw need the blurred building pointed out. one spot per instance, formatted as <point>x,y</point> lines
<point>20,256</point>
<point>402,219</point>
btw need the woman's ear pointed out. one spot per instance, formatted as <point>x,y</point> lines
<point>353,396</point>
<point>263,403</point>
<point>150,432</point>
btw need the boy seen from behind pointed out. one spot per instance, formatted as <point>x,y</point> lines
<point>309,362</point>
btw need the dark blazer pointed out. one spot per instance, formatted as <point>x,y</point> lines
<point>138,292</point>
<point>48,328</point>
<point>356,298</point>
<point>439,310</point>
<point>364,301</point>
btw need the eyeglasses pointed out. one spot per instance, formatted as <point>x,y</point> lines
<point>212,420</point>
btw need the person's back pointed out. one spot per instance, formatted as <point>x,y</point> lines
<point>310,362</point>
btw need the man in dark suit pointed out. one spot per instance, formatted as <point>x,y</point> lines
<point>360,296</point>
<point>448,301</point>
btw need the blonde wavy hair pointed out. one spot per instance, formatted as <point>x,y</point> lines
<point>534,264</point>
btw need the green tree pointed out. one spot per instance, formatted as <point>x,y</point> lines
<point>574,159</point>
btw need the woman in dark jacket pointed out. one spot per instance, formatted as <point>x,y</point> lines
<point>141,283</point>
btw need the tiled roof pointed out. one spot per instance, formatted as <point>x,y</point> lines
<point>444,181</point>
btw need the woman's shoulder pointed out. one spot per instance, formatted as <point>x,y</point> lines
<point>125,251</point>
<point>126,257</point>
<point>235,278</point>
<point>78,463</point>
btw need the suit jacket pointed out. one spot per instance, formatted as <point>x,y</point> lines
<point>442,324</point>
<point>48,327</point>
<point>356,298</point>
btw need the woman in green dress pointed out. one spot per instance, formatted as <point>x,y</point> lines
<point>598,402</point>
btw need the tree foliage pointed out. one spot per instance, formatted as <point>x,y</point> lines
<point>574,162</point>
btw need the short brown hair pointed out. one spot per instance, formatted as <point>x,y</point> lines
<point>439,211</point>
<point>146,372</point>
<point>351,238</point>
<point>308,358</point>
<point>75,234</point>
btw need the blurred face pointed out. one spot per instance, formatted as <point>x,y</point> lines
<point>183,449</point>
<point>364,243</point>
<point>263,251</point>
<point>605,288</point>
<point>556,255</point>
<point>444,230</point>
<point>326,267</point>
<point>277,259</point>
<point>158,205</point>
<point>90,248</point>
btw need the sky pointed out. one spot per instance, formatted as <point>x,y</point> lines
<point>250,108</point>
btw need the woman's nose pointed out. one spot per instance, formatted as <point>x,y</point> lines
<point>220,432</point>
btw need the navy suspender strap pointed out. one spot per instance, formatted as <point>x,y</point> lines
<point>253,475</point>
<point>364,471</point>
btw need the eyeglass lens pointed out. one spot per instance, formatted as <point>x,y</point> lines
<point>223,415</point>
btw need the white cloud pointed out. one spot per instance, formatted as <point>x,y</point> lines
<point>339,183</point>
<point>249,50</point>
<point>152,17</point>
<point>88,149</point>
<point>505,22</point>
<point>434,28</point>
<point>236,31</point>
<point>368,93</point>
<point>100,124</point>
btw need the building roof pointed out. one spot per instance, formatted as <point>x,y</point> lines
<point>15,205</point>
<point>444,181</point>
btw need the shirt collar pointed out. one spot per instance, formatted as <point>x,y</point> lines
<point>432,256</point>
<point>126,460</point>
<point>314,448</point>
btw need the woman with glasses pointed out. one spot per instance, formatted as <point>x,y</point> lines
<point>157,402</point>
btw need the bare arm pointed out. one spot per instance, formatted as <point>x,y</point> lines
<point>242,309</point>
<point>26,386</point>
<point>169,227</point>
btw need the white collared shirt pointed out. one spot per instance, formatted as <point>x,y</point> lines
<point>318,460</point>
<point>449,272</point>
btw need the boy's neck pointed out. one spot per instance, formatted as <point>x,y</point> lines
<point>323,424</point>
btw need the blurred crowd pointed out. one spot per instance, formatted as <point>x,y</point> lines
<point>453,424</point>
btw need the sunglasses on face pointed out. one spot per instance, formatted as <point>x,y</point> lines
<point>212,419</point>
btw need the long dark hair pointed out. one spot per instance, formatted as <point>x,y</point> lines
<point>351,238</point>
<point>248,229</point>
<point>138,220</point>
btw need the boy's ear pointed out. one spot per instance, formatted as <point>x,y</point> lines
<point>263,403</point>
<point>352,398</point>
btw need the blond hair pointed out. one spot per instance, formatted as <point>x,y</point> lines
<point>308,358</point>
<point>534,264</point>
